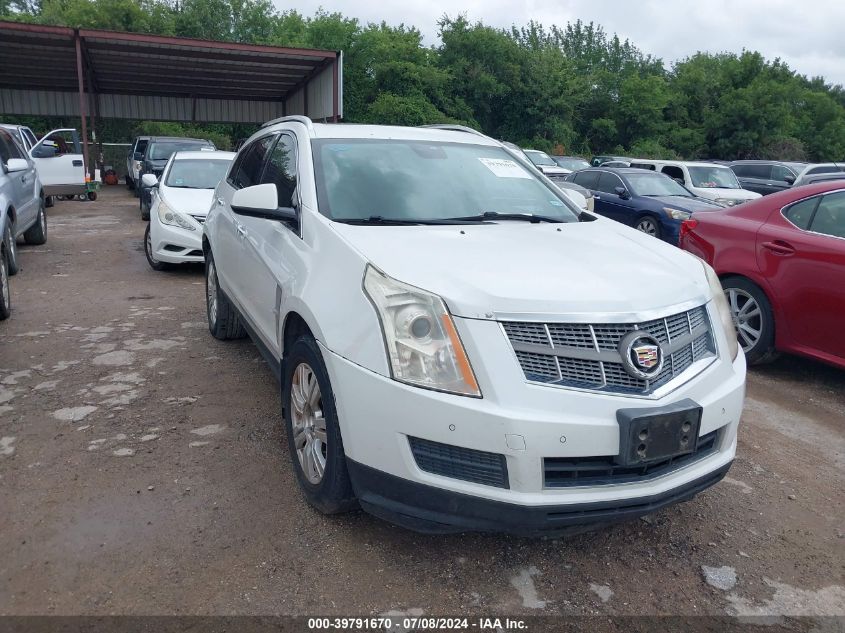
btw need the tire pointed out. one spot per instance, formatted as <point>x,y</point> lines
<point>314,439</point>
<point>5,293</point>
<point>649,225</point>
<point>129,183</point>
<point>145,212</point>
<point>224,322</point>
<point>12,266</point>
<point>37,233</point>
<point>752,313</point>
<point>49,201</point>
<point>148,251</point>
<point>92,196</point>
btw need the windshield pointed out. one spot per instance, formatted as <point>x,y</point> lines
<point>651,184</point>
<point>427,181</point>
<point>163,150</point>
<point>540,158</point>
<point>573,164</point>
<point>715,176</point>
<point>196,173</point>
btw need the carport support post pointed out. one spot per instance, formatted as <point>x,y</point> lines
<point>83,110</point>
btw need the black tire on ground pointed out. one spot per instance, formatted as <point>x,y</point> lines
<point>333,493</point>
<point>92,195</point>
<point>12,266</point>
<point>763,350</point>
<point>653,222</point>
<point>148,251</point>
<point>145,211</point>
<point>49,201</point>
<point>37,233</point>
<point>5,293</point>
<point>129,184</point>
<point>224,322</point>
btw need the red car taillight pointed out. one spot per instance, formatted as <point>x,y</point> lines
<point>687,227</point>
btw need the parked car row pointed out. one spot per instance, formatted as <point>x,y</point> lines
<point>22,210</point>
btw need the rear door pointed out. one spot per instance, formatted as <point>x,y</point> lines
<point>58,159</point>
<point>607,201</point>
<point>801,252</point>
<point>755,177</point>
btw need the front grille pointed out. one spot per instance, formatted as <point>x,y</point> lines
<point>564,472</point>
<point>457,462</point>
<point>586,356</point>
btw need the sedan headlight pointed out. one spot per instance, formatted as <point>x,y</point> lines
<point>676,214</point>
<point>728,202</point>
<point>722,307</point>
<point>169,216</point>
<point>423,346</point>
<point>136,165</point>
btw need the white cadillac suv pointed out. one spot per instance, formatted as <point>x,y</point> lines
<point>460,348</point>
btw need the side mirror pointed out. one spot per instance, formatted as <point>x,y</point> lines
<point>16,164</point>
<point>138,156</point>
<point>149,180</point>
<point>622,193</point>
<point>44,151</point>
<point>262,201</point>
<point>789,180</point>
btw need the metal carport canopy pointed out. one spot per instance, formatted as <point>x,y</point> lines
<point>60,71</point>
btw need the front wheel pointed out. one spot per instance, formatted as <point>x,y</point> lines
<point>314,439</point>
<point>753,319</point>
<point>37,233</point>
<point>649,226</point>
<point>224,322</point>
<point>5,298</point>
<point>12,267</point>
<point>145,210</point>
<point>148,251</point>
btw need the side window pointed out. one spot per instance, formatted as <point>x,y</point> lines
<point>13,150</point>
<point>281,169</point>
<point>30,138</point>
<point>608,182</point>
<point>5,143</point>
<point>674,172</point>
<point>247,169</point>
<point>830,216</point>
<point>782,174</point>
<point>801,212</point>
<point>643,166</point>
<point>586,179</point>
<point>759,171</point>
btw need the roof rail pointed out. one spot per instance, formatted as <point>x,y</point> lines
<point>454,127</point>
<point>294,117</point>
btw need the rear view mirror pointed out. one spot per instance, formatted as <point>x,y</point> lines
<point>149,180</point>
<point>261,201</point>
<point>16,164</point>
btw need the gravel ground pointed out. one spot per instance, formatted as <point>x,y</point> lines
<point>143,470</point>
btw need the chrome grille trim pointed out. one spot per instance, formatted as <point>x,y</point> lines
<point>585,355</point>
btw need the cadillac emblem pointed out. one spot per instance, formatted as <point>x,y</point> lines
<point>641,355</point>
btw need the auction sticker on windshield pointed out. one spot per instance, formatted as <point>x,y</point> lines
<point>504,168</point>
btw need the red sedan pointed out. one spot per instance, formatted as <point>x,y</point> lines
<point>781,260</point>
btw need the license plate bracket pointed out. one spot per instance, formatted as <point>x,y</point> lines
<point>652,434</point>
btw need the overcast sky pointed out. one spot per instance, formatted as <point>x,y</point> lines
<point>807,34</point>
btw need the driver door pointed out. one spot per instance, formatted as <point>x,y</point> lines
<point>58,159</point>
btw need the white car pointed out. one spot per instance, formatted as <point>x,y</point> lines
<point>455,351</point>
<point>57,157</point>
<point>181,201</point>
<point>711,181</point>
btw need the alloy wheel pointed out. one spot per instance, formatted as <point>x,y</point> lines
<point>13,247</point>
<point>647,226</point>
<point>211,293</point>
<point>148,244</point>
<point>4,283</point>
<point>747,317</point>
<point>308,423</point>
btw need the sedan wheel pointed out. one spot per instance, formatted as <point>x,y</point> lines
<point>5,298</point>
<point>308,423</point>
<point>12,251</point>
<point>211,293</point>
<point>747,317</point>
<point>649,226</point>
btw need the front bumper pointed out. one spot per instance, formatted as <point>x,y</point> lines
<point>174,245</point>
<point>524,423</point>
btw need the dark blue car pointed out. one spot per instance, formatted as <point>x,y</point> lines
<point>650,202</point>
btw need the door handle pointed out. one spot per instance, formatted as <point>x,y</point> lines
<point>779,247</point>
<point>241,230</point>
<point>596,197</point>
<point>219,200</point>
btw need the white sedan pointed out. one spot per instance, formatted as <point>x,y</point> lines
<point>181,201</point>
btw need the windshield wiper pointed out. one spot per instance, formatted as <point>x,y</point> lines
<point>488,216</point>
<point>383,221</point>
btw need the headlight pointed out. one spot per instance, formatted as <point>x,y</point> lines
<point>168,216</point>
<point>723,309</point>
<point>423,346</point>
<point>728,202</point>
<point>676,214</point>
<point>136,165</point>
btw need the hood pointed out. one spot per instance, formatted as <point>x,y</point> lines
<point>730,194</point>
<point>515,269</point>
<point>685,203</point>
<point>190,201</point>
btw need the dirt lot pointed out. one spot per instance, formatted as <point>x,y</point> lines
<point>143,470</point>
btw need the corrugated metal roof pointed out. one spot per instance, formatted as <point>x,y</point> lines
<point>130,75</point>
